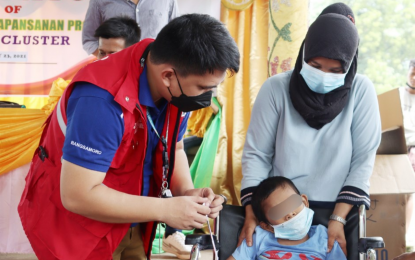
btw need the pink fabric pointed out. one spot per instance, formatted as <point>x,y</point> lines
<point>12,237</point>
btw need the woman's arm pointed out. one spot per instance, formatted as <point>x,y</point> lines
<point>366,135</point>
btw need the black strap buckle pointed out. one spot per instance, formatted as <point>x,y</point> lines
<point>42,153</point>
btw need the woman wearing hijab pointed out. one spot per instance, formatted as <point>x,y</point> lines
<point>317,125</point>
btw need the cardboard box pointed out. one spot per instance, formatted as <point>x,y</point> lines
<point>391,182</point>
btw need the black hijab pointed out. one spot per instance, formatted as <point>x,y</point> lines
<point>339,8</point>
<point>331,36</point>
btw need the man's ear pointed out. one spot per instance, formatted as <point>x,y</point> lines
<point>266,226</point>
<point>304,198</point>
<point>167,75</point>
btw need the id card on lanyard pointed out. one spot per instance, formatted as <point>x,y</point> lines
<point>165,191</point>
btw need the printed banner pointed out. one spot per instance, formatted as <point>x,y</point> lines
<point>40,40</point>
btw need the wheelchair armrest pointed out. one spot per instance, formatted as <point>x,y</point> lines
<point>366,243</point>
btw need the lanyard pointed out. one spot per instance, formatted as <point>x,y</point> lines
<point>165,155</point>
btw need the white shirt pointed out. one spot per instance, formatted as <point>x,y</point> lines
<point>408,111</point>
<point>150,15</point>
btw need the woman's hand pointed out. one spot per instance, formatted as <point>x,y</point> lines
<point>336,233</point>
<point>249,226</point>
<point>336,229</point>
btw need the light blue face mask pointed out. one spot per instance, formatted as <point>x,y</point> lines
<point>295,228</point>
<point>319,81</point>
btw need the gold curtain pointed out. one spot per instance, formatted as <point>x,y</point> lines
<point>287,29</point>
<point>198,121</point>
<point>249,28</point>
<point>20,130</point>
<point>268,34</point>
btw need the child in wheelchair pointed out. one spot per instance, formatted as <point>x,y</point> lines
<point>284,230</point>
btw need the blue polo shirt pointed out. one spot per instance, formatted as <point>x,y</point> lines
<point>266,246</point>
<point>95,127</point>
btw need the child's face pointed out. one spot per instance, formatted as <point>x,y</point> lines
<point>281,200</point>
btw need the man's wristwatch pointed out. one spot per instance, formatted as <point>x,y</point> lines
<point>339,219</point>
<point>224,198</point>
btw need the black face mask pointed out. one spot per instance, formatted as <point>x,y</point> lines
<point>186,103</point>
<point>410,86</point>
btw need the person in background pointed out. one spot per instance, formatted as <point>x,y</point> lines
<point>116,34</point>
<point>407,96</point>
<point>150,15</point>
<point>111,152</point>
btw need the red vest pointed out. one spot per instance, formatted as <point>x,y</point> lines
<point>54,231</point>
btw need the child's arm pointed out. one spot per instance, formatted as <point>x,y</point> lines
<point>245,252</point>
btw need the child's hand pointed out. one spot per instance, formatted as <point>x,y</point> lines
<point>336,233</point>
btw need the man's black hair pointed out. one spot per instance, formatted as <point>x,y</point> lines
<point>196,44</point>
<point>120,27</point>
<point>262,192</point>
<point>412,63</point>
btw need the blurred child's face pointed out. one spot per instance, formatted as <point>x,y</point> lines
<point>283,204</point>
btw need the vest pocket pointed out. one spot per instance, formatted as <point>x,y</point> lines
<point>127,163</point>
<point>36,190</point>
<point>36,177</point>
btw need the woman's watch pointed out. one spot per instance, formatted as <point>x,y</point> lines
<point>338,218</point>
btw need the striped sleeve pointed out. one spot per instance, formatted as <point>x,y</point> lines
<point>354,196</point>
<point>246,195</point>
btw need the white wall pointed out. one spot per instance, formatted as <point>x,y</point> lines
<point>210,7</point>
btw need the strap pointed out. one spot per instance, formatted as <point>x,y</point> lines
<point>165,156</point>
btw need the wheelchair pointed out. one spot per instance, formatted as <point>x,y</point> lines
<point>229,223</point>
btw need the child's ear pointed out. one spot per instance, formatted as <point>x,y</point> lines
<point>304,198</point>
<point>266,227</point>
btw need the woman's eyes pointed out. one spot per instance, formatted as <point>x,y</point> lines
<point>315,66</point>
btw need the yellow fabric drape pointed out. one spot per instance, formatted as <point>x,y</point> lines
<point>237,5</point>
<point>29,102</point>
<point>58,86</point>
<point>20,130</point>
<point>249,28</point>
<point>198,121</point>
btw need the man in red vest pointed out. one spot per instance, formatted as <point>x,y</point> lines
<point>110,162</point>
